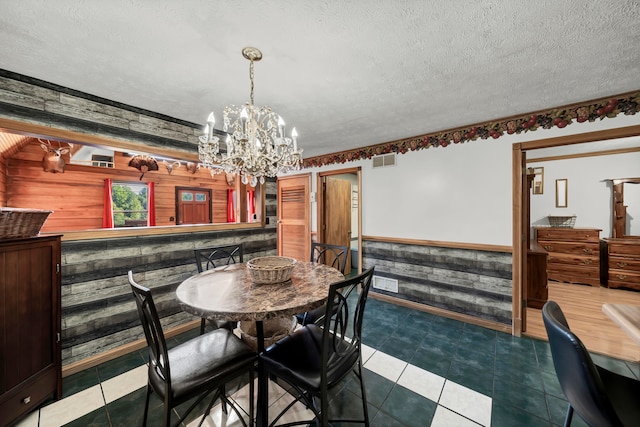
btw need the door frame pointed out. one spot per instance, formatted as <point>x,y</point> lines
<point>320,222</point>
<point>519,197</point>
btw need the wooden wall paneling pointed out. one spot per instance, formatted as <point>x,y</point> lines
<point>76,195</point>
<point>3,181</point>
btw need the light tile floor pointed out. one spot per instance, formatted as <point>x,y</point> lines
<point>420,370</point>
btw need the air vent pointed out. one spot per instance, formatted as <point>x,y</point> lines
<point>384,160</point>
<point>385,284</point>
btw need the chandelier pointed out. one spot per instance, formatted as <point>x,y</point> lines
<point>256,145</point>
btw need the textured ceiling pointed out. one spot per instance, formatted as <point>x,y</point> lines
<point>345,73</point>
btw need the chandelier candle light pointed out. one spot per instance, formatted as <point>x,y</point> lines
<point>256,145</point>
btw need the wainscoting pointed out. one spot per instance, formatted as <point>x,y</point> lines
<point>466,279</point>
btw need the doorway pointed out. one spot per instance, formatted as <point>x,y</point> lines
<point>339,213</point>
<point>193,206</point>
<point>520,218</point>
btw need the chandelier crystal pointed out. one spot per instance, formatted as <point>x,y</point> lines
<point>256,145</point>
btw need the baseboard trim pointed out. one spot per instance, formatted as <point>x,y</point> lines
<point>444,313</point>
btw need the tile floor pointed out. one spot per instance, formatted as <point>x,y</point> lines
<point>421,370</point>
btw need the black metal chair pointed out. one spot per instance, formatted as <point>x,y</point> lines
<point>332,255</point>
<point>317,357</point>
<point>193,369</point>
<point>601,397</point>
<point>215,256</point>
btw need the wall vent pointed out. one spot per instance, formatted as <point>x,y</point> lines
<point>385,284</point>
<point>384,160</point>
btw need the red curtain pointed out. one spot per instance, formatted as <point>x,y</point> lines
<point>107,216</point>
<point>251,204</point>
<point>231,213</point>
<point>151,205</point>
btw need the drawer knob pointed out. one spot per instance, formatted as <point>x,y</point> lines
<point>549,248</point>
<point>621,264</point>
<point>26,400</point>
<point>587,250</point>
<point>587,261</point>
<point>621,276</point>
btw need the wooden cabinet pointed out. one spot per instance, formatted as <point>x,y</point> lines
<point>574,254</point>
<point>623,262</point>
<point>537,288</point>
<point>30,357</point>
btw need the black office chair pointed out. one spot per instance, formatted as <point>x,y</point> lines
<point>195,368</point>
<point>332,255</point>
<point>601,397</point>
<point>317,357</point>
<point>207,258</point>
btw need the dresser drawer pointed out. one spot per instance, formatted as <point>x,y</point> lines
<point>27,396</point>
<point>632,251</point>
<point>573,277</point>
<point>624,276</point>
<point>567,260</point>
<point>624,284</point>
<point>587,275</point>
<point>575,248</point>
<point>569,234</point>
<point>629,264</point>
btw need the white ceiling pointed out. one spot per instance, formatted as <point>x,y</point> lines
<point>346,73</point>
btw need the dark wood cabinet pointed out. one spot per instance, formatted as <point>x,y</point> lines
<point>537,286</point>
<point>30,356</point>
<point>574,254</point>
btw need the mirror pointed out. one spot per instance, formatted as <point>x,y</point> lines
<point>626,207</point>
<point>561,193</point>
<point>538,180</point>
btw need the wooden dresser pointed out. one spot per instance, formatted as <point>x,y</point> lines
<point>574,254</point>
<point>30,358</point>
<point>623,262</point>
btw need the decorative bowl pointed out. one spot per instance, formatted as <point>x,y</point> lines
<point>271,269</point>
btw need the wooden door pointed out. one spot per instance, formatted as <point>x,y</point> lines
<point>294,217</point>
<point>337,214</point>
<point>193,206</point>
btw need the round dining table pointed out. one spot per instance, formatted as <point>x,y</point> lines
<point>228,293</point>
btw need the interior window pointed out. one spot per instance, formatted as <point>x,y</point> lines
<point>130,204</point>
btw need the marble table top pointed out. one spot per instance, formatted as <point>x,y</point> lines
<point>626,316</point>
<point>228,293</point>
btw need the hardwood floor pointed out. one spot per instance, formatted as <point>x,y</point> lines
<point>582,306</point>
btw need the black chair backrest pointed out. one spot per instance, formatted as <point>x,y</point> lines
<point>207,258</point>
<point>331,255</point>
<point>342,323</point>
<point>577,374</point>
<point>158,357</point>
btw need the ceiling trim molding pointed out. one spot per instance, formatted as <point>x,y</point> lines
<point>560,117</point>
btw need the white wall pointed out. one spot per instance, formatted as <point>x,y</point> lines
<point>461,193</point>
<point>589,194</point>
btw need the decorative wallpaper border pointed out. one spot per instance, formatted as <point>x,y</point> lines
<point>560,117</point>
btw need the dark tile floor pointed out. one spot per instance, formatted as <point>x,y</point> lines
<point>421,370</point>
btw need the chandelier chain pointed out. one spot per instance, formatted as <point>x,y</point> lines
<point>251,79</point>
